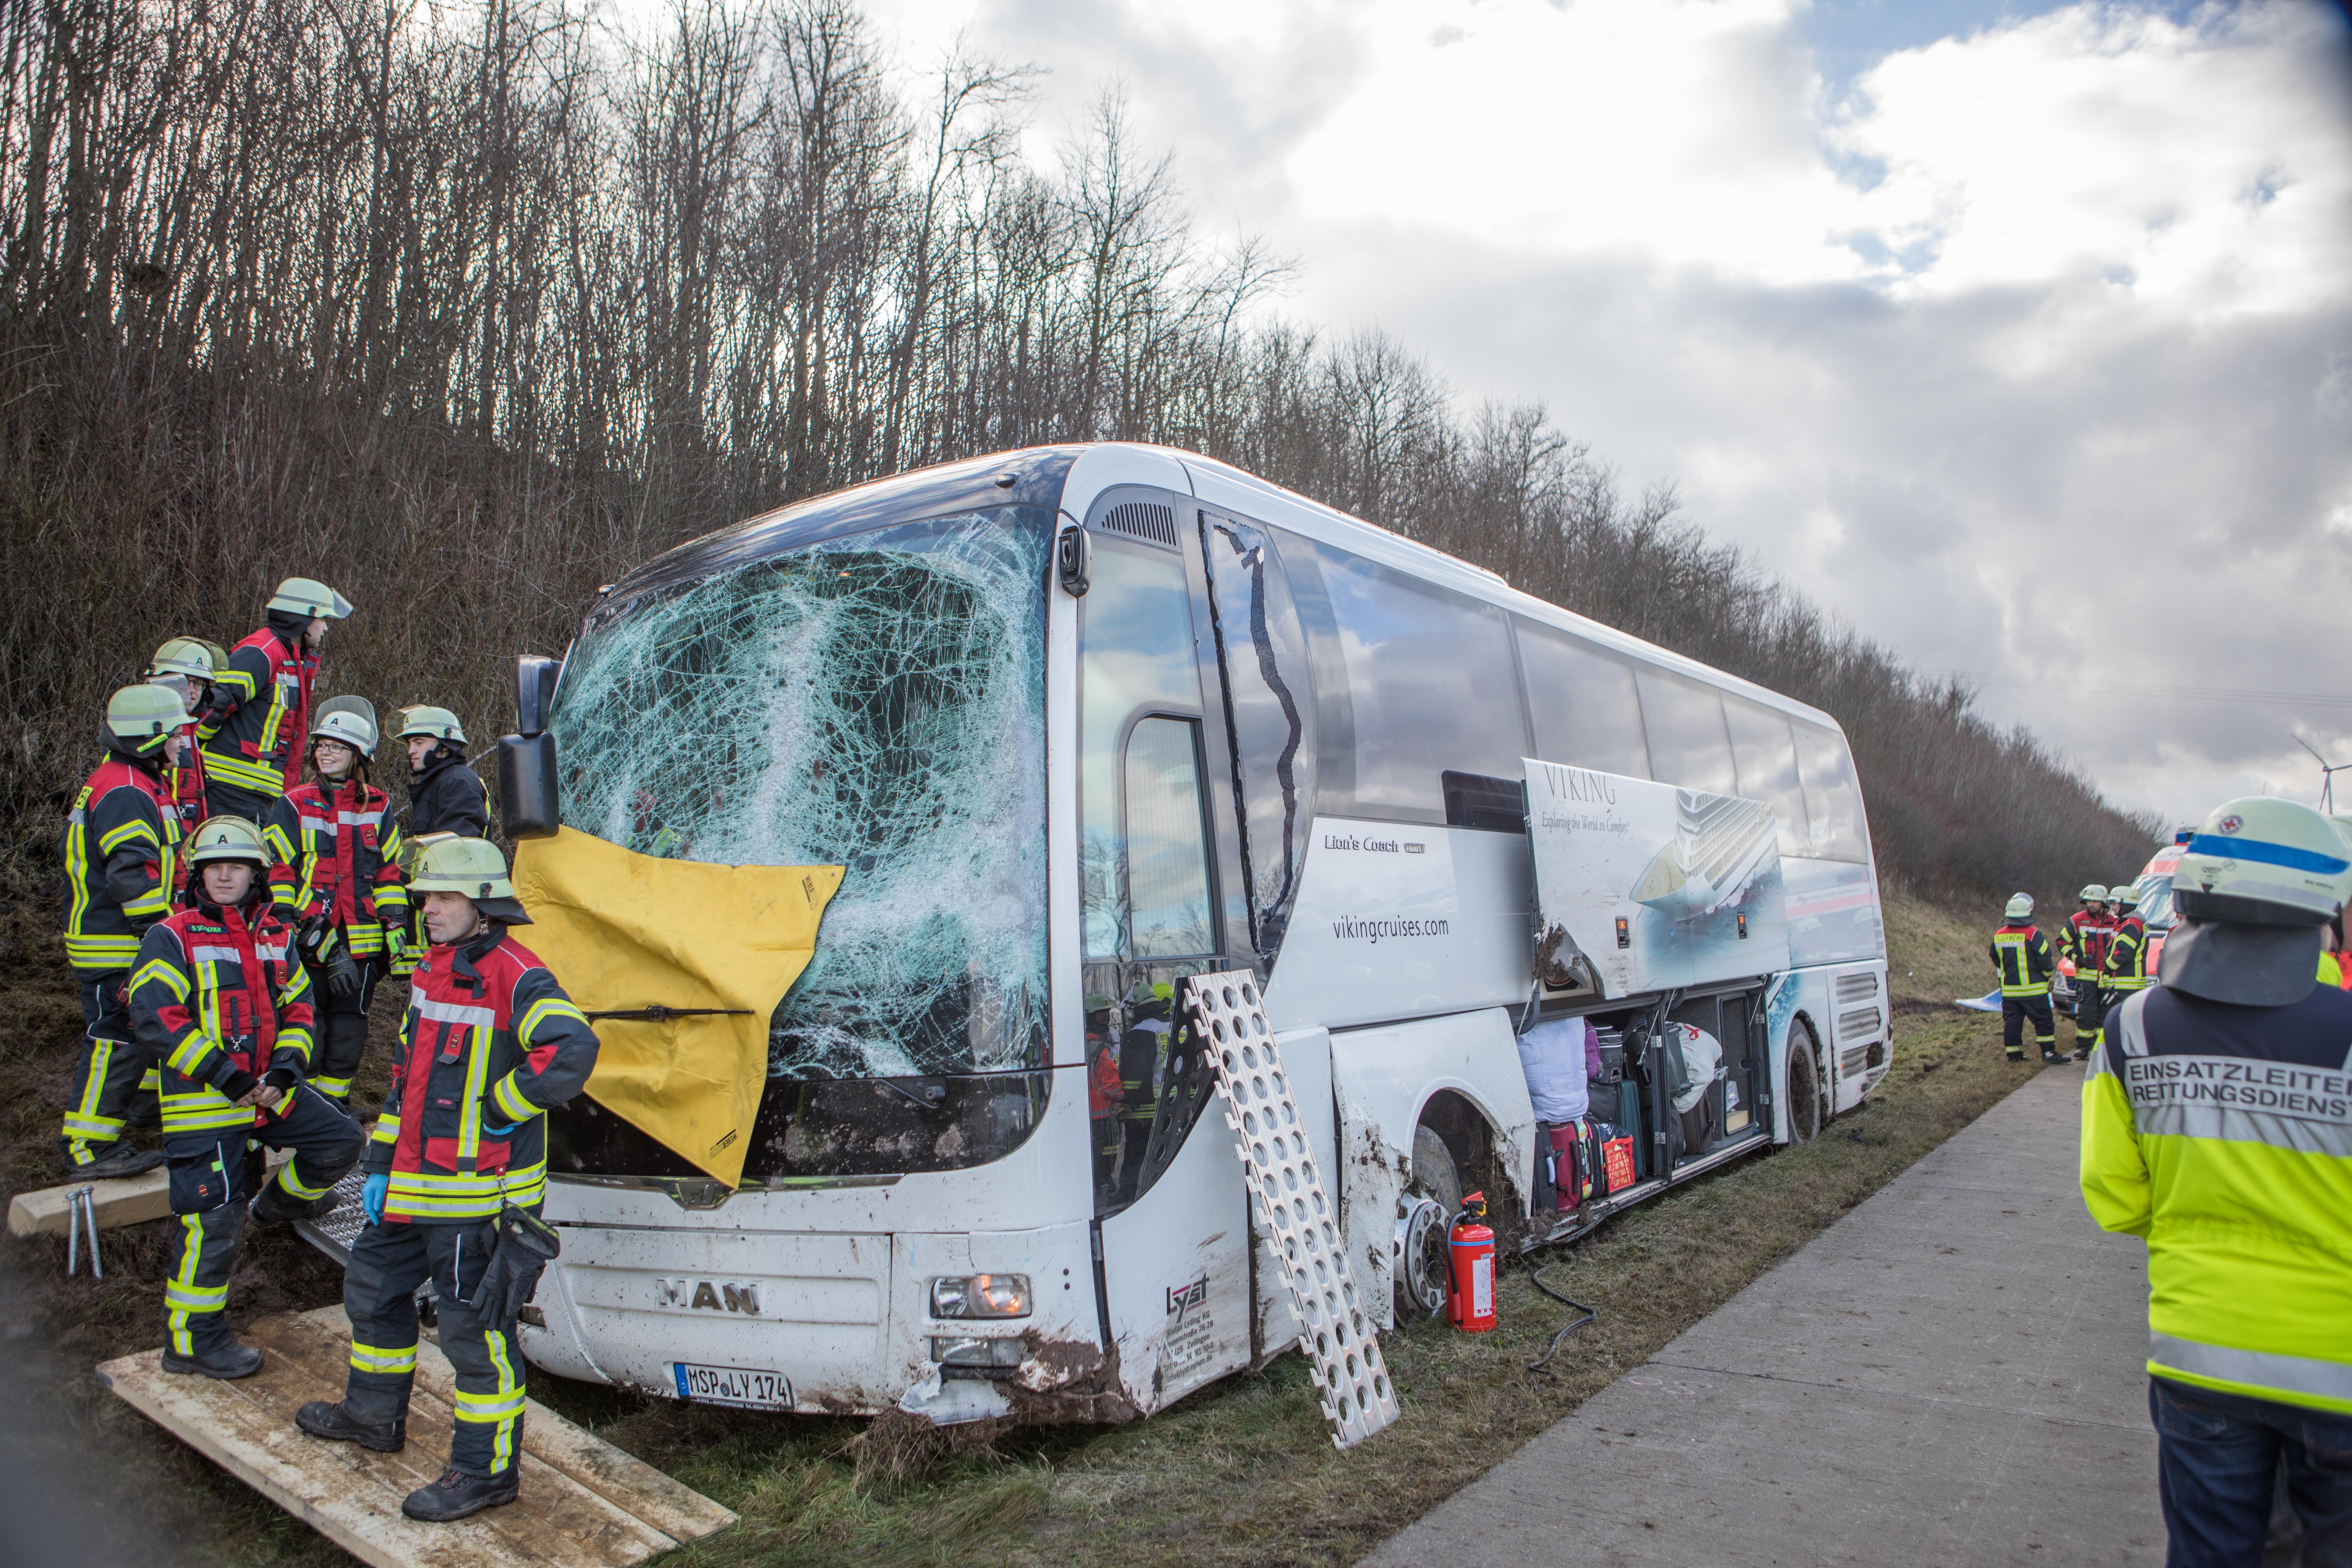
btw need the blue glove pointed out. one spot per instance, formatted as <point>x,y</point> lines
<point>500,1131</point>
<point>371,1196</point>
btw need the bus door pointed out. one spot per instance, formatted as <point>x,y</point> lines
<point>1157,853</point>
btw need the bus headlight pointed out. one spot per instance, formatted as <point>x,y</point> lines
<point>1002,1355</point>
<point>981,1296</point>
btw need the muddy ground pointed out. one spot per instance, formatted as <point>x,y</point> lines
<point>1242,1473</point>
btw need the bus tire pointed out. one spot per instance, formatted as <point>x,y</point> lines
<point>1803,1097</point>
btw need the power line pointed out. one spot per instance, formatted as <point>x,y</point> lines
<point>2165,692</point>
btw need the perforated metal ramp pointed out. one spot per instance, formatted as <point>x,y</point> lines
<point>333,1233</point>
<point>584,1503</point>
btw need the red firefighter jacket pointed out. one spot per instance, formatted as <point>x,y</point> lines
<point>2084,938</point>
<point>219,998</point>
<point>338,855</point>
<point>253,731</point>
<point>120,851</point>
<point>488,1045</point>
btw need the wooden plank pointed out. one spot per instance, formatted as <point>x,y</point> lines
<point>125,1199</point>
<point>352,1497</point>
<point>621,1478</point>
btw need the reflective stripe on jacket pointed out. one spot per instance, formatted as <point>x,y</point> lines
<point>120,851</point>
<point>488,1039</point>
<point>2127,965</point>
<point>2223,1135</point>
<point>338,856</point>
<point>2084,938</point>
<point>253,731</point>
<point>218,992</point>
<point>2021,954</point>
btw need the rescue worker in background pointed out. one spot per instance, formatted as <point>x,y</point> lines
<point>221,1001</point>
<point>488,1046</point>
<point>334,871</point>
<point>2021,954</point>
<point>121,849</point>
<point>1142,1053</point>
<point>185,668</point>
<point>2209,1128</point>
<point>444,796</point>
<point>252,735</point>
<point>2126,972</point>
<point>1102,1092</point>
<point>2084,941</point>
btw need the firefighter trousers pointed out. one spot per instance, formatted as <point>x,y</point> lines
<point>342,1029</point>
<point>228,800</point>
<point>389,1261</point>
<point>211,1179</point>
<point>114,1083</point>
<point>2090,1013</point>
<point>2014,1012</point>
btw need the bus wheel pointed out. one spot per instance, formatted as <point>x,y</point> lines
<point>1435,1174</point>
<point>1424,1213</point>
<point>1804,1087</point>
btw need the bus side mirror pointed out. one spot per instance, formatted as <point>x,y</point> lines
<point>535,678</point>
<point>1073,560</point>
<point>528,805</point>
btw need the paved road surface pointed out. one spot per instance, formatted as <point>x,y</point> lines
<point>1949,1375</point>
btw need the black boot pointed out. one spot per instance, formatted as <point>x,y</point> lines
<point>122,1159</point>
<point>2052,1057</point>
<point>337,1424</point>
<point>457,1494</point>
<point>226,1361</point>
<point>275,1204</point>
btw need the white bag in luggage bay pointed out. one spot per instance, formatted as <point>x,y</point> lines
<point>1702,1056</point>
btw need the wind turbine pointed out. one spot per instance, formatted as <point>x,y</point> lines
<point>2327,771</point>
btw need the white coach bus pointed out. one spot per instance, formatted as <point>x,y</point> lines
<point>1079,722</point>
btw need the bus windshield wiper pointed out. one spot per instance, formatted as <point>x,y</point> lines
<point>657,1013</point>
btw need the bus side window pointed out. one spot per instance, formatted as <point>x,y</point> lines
<point>1582,700</point>
<point>1689,747</point>
<point>1766,755</point>
<point>1433,685</point>
<point>1167,841</point>
<point>1270,708</point>
<point>1833,797</point>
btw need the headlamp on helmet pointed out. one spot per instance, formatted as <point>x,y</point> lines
<point>2263,861</point>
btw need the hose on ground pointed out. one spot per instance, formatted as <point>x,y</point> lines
<point>1573,1324</point>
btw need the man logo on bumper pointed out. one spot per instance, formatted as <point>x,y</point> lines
<point>726,1297</point>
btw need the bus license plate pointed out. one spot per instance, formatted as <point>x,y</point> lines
<point>733,1385</point>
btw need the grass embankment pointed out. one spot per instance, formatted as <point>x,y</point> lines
<point>1242,1473</point>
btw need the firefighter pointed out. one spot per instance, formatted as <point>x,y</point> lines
<point>488,1046</point>
<point>184,666</point>
<point>2084,939</point>
<point>2215,1126</point>
<point>335,874</point>
<point>121,850</point>
<point>221,1000</point>
<point>252,733</point>
<point>444,796</point>
<point>2126,971</point>
<point>2021,954</point>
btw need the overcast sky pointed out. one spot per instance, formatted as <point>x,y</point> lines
<point>2018,335</point>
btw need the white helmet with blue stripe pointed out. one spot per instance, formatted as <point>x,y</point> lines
<point>2263,861</point>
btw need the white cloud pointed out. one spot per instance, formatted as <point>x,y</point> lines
<point>2027,352</point>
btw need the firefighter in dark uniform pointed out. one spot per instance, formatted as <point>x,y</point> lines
<point>220,999</point>
<point>253,734</point>
<point>2084,942</point>
<point>2216,1126</point>
<point>2021,954</point>
<point>2124,973</point>
<point>1143,1054</point>
<point>185,668</point>
<point>489,1044</point>
<point>335,874</point>
<point>121,850</point>
<point>444,796</point>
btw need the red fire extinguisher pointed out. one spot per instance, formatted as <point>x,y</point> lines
<point>1470,1305</point>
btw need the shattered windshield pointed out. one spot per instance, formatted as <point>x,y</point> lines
<point>876,702</point>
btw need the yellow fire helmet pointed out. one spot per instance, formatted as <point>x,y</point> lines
<point>145,713</point>
<point>2020,907</point>
<point>182,656</point>
<point>420,719</point>
<point>474,868</point>
<point>2263,861</point>
<point>351,719</point>
<point>308,597</point>
<point>2093,893</point>
<point>227,839</point>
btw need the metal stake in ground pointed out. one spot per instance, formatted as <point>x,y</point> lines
<point>1302,1223</point>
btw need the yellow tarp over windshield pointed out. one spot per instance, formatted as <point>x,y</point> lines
<point>623,932</point>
